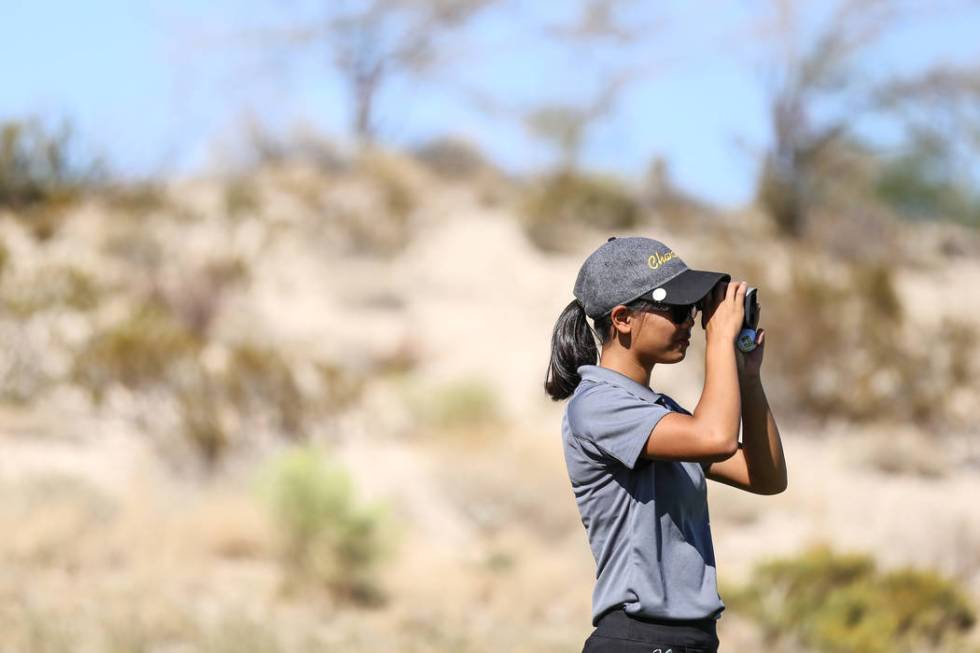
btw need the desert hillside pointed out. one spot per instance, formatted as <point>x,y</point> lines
<point>302,409</point>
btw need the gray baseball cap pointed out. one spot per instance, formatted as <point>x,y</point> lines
<point>624,269</point>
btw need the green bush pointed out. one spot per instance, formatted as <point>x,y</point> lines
<point>328,538</point>
<point>840,603</point>
<point>574,199</point>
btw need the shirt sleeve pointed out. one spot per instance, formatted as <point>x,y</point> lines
<point>616,422</point>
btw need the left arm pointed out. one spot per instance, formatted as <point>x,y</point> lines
<point>758,466</point>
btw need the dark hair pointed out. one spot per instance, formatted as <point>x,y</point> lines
<point>573,343</point>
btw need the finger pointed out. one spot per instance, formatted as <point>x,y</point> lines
<point>738,296</point>
<point>734,289</point>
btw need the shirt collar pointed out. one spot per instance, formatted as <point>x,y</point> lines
<point>606,375</point>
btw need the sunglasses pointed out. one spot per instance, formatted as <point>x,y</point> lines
<point>678,313</point>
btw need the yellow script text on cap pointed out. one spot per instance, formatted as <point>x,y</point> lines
<point>658,259</point>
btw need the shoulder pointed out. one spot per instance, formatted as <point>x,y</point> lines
<point>601,407</point>
<point>588,396</point>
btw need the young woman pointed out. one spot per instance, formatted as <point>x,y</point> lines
<point>636,459</point>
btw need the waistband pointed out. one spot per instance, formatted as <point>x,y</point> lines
<point>658,629</point>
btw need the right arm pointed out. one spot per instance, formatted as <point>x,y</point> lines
<point>711,433</point>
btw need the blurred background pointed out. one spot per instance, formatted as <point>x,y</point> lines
<point>278,282</point>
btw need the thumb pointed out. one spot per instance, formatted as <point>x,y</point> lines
<point>762,335</point>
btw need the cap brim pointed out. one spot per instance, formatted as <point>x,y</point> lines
<point>690,286</point>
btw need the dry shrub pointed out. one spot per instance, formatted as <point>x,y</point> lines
<point>139,352</point>
<point>395,178</point>
<point>196,298</point>
<point>241,198</point>
<point>257,389</point>
<point>461,161</point>
<point>51,288</point>
<point>842,349</point>
<point>43,173</point>
<point>568,200</point>
<point>258,376</point>
<point>137,199</point>
<point>249,388</point>
<point>205,422</point>
<point>4,257</point>
<point>453,158</point>
<point>367,210</point>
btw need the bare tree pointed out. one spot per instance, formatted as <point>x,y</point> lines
<point>369,42</point>
<point>807,72</point>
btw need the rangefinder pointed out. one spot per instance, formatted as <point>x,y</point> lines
<point>746,337</point>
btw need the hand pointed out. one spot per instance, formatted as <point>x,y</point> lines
<point>750,364</point>
<point>724,311</point>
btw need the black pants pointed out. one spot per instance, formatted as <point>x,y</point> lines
<point>619,632</point>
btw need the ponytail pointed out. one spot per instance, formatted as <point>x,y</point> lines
<point>573,343</point>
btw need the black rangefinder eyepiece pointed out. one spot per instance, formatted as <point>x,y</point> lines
<point>751,319</point>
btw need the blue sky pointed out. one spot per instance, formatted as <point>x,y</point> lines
<point>157,86</point>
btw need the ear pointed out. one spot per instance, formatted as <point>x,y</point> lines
<point>622,319</point>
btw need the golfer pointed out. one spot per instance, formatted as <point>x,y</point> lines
<point>636,459</point>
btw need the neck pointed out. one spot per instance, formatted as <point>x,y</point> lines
<point>627,366</point>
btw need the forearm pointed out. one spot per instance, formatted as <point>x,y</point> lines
<point>761,443</point>
<point>720,404</point>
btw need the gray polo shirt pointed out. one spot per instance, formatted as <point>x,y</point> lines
<point>647,520</point>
